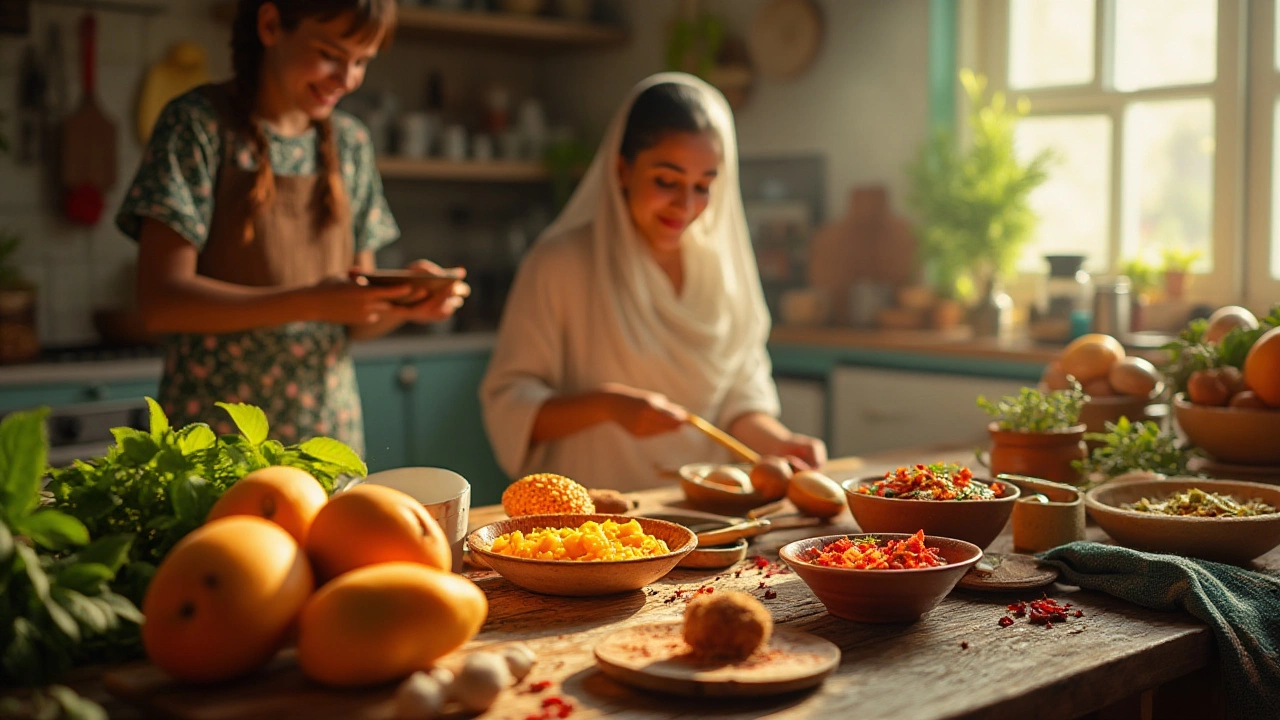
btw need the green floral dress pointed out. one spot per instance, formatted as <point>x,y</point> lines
<point>299,373</point>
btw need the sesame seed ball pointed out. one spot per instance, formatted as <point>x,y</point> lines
<point>546,493</point>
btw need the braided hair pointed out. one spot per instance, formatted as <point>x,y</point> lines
<point>368,18</point>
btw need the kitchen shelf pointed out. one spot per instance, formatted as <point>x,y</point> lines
<point>506,29</point>
<point>395,168</point>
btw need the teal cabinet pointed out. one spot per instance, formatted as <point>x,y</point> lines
<point>446,424</point>
<point>19,397</point>
<point>384,401</point>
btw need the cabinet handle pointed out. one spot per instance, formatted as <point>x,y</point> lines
<point>408,376</point>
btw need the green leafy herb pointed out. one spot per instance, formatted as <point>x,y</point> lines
<point>1134,446</point>
<point>55,595</point>
<point>160,485</point>
<point>1033,411</point>
<point>1190,352</point>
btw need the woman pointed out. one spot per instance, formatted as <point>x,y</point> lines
<point>641,303</point>
<point>255,206</point>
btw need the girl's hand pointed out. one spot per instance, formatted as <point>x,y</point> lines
<point>437,305</point>
<point>343,302</point>
<point>643,413</point>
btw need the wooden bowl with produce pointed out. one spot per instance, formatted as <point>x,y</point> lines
<point>853,577</point>
<point>580,555</point>
<point>1222,520</point>
<point>943,500</point>
<point>722,488</point>
<point>1117,385</point>
<point>1238,435</point>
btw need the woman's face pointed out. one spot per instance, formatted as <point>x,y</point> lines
<point>314,65</point>
<point>668,186</point>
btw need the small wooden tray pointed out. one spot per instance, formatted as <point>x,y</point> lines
<point>655,657</point>
<point>1012,572</point>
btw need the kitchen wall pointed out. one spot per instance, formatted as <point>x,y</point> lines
<point>861,105</point>
<point>78,269</point>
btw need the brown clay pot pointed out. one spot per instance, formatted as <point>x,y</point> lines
<point>1047,456</point>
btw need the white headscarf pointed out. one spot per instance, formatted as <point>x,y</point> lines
<point>721,315</point>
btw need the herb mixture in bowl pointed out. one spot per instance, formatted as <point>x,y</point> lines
<point>591,541</point>
<point>1195,502</point>
<point>940,481</point>
<point>866,553</point>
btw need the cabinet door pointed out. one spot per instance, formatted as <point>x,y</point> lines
<point>877,410</point>
<point>22,397</point>
<point>446,425</point>
<point>384,398</point>
<point>804,406</point>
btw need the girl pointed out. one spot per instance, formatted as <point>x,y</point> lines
<point>255,205</point>
<point>642,299</point>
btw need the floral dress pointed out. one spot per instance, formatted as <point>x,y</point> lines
<point>300,374</point>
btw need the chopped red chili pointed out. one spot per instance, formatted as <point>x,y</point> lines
<point>770,594</point>
<point>1006,621</point>
<point>868,554</point>
<point>940,481</point>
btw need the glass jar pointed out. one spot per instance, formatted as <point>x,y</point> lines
<point>1069,293</point>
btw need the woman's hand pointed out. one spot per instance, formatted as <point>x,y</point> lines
<point>436,305</point>
<point>643,413</point>
<point>344,302</point>
<point>808,450</point>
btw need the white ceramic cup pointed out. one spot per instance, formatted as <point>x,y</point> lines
<point>445,494</point>
<point>415,135</point>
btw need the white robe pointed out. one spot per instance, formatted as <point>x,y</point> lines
<point>590,305</point>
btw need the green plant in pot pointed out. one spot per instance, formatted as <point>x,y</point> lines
<point>18,339</point>
<point>973,202</point>
<point>1134,447</point>
<point>1177,268</point>
<point>1038,434</point>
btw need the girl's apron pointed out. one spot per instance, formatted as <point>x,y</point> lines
<point>300,374</point>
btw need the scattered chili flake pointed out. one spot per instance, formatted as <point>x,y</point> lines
<point>1079,613</point>
<point>1045,611</point>
<point>737,573</point>
<point>964,646</point>
<point>1006,621</point>
<point>867,554</point>
<point>553,707</point>
<point>770,594</point>
<point>760,561</point>
<point>539,686</point>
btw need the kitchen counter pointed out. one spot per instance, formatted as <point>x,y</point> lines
<point>149,368</point>
<point>955,662</point>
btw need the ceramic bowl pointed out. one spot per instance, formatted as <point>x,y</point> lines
<point>1232,435</point>
<point>882,596</point>
<point>974,521</point>
<point>576,578</point>
<point>714,498</point>
<point>1229,540</point>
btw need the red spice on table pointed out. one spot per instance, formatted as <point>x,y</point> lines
<point>964,646</point>
<point>539,686</point>
<point>1006,621</point>
<point>1046,611</point>
<point>770,594</point>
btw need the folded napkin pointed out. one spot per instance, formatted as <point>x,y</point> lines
<point>1242,608</point>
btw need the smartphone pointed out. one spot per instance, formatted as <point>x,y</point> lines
<point>431,283</point>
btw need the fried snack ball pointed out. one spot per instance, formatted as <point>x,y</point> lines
<point>728,626</point>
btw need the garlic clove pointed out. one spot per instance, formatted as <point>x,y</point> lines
<point>520,660</point>
<point>483,677</point>
<point>419,697</point>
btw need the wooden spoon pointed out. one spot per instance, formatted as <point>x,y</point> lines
<point>725,440</point>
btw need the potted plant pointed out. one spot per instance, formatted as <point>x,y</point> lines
<point>1177,264</point>
<point>1144,277</point>
<point>973,201</point>
<point>1136,449</point>
<point>1038,434</point>
<point>18,339</point>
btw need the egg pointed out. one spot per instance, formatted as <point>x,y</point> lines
<point>815,494</point>
<point>1134,376</point>
<point>1226,319</point>
<point>730,478</point>
<point>770,477</point>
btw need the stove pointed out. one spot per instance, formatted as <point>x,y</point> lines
<point>83,431</point>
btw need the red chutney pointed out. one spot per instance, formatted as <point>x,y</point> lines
<point>940,481</point>
<point>866,554</point>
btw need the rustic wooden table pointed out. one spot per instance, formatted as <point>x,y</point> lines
<point>956,662</point>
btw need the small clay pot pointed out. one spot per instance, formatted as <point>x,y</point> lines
<point>1047,456</point>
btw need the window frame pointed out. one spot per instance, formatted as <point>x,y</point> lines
<point>1261,289</point>
<point>984,33</point>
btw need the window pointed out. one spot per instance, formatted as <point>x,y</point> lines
<point>1143,104</point>
<point>1263,274</point>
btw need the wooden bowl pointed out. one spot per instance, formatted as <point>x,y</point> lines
<point>1233,435</point>
<point>581,578</point>
<point>1229,540</point>
<point>714,498</point>
<point>882,596</point>
<point>974,521</point>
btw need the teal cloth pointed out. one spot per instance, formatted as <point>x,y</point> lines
<point>1242,608</point>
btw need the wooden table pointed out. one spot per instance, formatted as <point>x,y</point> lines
<point>956,662</point>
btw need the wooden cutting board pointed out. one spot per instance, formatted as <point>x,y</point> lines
<point>88,136</point>
<point>278,691</point>
<point>654,657</point>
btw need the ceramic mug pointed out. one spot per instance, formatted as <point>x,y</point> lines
<point>1047,515</point>
<point>445,494</point>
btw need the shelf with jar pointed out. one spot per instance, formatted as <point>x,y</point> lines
<point>529,25</point>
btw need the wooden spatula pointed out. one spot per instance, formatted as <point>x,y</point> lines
<point>729,442</point>
<point>88,140</point>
